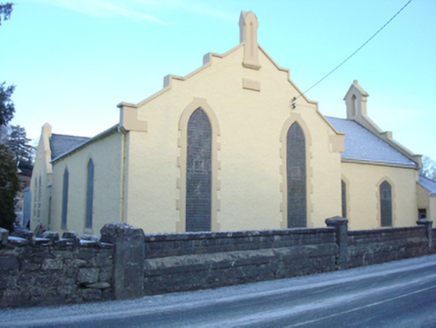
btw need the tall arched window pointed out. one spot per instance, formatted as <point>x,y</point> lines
<point>344,198</point>
<point>39,197</point>
<point>89,194</point>
<point>65,199</point>
<point>296,177</point>
<point>199,172</point>
<point>386,204</point>
<point>35,197</point>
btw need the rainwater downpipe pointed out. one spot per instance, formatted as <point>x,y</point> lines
<point>123,165</point>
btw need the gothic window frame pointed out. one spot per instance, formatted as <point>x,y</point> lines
<point>295,118</point>
<point>182,162</point>
<point>89,196</point>
<point>386,203</point>
<point>198,176</point>
<point>65,187</point>
<point>345,198</point>
<point>39,197</point>
<point>296,177</point>
<point>35,197</point>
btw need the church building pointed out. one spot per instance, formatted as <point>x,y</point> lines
<point>234,145</point>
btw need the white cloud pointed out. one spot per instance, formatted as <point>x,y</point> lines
<point>140,9</point>
<point>202,8</point>
<point>106,8</point>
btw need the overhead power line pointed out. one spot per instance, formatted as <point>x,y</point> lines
<point>355,52</point>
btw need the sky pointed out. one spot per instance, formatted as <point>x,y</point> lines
<point>74,61</point>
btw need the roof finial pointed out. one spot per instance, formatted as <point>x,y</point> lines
<point>248,35</point>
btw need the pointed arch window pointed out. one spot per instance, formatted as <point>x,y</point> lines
<point>344,198</point>
<point>199,172</point>
<point>65,199</point>
<point>89,194</point>
<point>39,196</point>
<point>296,177</point>
<point>386,204</point>
<point>35,197</point>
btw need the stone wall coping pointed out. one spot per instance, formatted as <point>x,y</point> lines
<point>424,221</point>
<point>383,230</point>
<point>235,234</point>
<point>18,241</point>
<point>14,241</point>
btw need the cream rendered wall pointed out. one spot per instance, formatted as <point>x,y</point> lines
<point>106,154</point>
<point>42,169</point>
<point>363,199</point>
<point>251,183</point>
<point>431,214</point>
<point>426,201</point>
<point>422,197</point>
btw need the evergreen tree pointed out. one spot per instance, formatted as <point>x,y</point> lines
<point>18,143</point>
<point>9,186</point>
<point>5,10</point>
<point>7,108</point>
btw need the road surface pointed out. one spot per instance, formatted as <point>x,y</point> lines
<point>396,294</point>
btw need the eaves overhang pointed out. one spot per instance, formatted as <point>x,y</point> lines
<point>378,163</point>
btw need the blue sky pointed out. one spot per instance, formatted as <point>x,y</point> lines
<point>73,61</point>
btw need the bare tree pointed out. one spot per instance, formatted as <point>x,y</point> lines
<point>428,168</point>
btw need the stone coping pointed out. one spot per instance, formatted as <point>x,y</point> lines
<point>14,241</point>
<point>383,230</point>
<point>235,234</point>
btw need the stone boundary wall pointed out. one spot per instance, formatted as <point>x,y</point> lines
<point>367,247</point>
<point>434,240</point>
<point>46,271</point>
<point>126,263</point>
<point>189,261</point>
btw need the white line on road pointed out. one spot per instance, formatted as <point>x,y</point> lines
<point>331,302</point>
<point>363,307</point>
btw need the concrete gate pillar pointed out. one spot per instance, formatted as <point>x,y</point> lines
<point>128,270</point>
<point>341,226</point>
<point>428,225</point>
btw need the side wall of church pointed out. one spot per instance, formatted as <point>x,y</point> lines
<point>40,184</point>
<point>423,198</point>
<point>363,195</point>
<point>250,112</point>
<point>107,159</point>
<point>426,202</point>
<point>432,209</point>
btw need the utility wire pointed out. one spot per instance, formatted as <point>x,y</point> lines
<point>355,52</point>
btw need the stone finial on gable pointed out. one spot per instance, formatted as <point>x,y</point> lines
<point>46,129</point>
<point>46,148</point>
<point>248,35</point>
<point>355,101</point>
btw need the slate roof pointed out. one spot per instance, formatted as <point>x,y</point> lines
<point>362,144</point>
<point>61,144</point>
<point>428,184</point>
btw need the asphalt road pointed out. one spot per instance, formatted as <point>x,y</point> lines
<point>396,294</point>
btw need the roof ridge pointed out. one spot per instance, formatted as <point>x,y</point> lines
<point>70,135</point>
